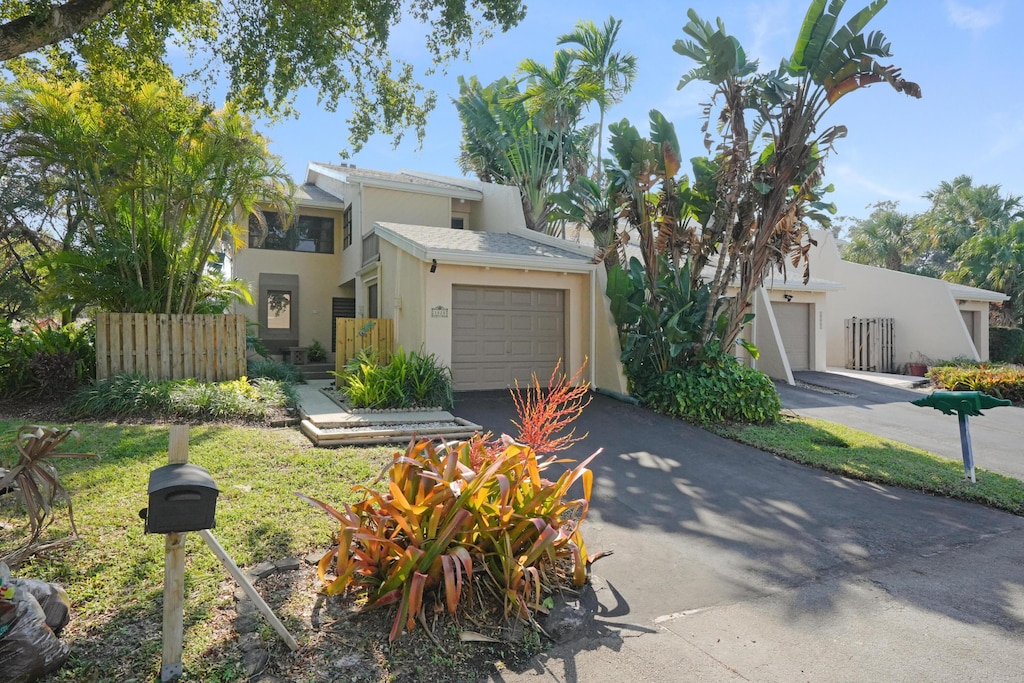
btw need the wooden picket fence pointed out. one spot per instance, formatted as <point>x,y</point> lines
<point>356,334</point>
<point>209,348</point>
<point>870,344</point>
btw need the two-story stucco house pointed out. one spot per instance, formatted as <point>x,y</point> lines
<point>451,262</point>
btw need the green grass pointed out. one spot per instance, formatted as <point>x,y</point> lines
<point>114,574</point>
<point>856,454</point>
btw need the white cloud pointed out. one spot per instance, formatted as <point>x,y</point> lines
<point>975,19</point>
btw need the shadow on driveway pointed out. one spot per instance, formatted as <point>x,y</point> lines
<point>699,522</point>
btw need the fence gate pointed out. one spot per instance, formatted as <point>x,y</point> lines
<point>355,334</point>
<point>870,344</point>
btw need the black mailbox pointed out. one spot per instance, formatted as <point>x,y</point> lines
<point>181,498</point>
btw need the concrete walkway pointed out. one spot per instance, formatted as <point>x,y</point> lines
<point>881,406</point>
<point>731,564</point>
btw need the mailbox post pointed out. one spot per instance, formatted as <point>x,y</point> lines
<point>964,404</point>
<point>183,498</point>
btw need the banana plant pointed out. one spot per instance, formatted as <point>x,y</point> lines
<point>769,169</point>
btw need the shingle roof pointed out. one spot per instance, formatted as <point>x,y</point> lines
<point>477,242</point>
<point>399,177</point>
<point>310,193</point>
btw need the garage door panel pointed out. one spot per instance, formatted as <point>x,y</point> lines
<point>520,298</point>
<point>500,335</point>
<point>795,329</point>
<point>550,299</point>
<point>492,322</point>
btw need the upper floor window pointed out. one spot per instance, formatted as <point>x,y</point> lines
<point>314,234</point>
<point>458,223</point>
<point>346,229</point>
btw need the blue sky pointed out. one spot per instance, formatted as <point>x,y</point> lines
<point>963,53</point>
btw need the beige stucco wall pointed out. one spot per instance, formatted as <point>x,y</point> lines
<point>764,330</point>
<point>409,292</point>
<point>317,280</point>
<point>926,317</point>
<point>395,206</point>
<point>500,211</point>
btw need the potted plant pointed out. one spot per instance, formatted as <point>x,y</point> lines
<point>317,352</point>
<point>918,365</point>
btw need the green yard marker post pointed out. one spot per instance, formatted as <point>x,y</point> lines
<point>964,404</point>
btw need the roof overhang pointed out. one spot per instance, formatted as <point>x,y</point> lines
<point>352,176</point>
<point>967,293</point>
<point>484,259</point>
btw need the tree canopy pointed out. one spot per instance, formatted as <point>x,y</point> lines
<point>136,194</point>
<point>266,49</point>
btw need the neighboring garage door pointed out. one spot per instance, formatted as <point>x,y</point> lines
<point>500,334</point>
<point>795,328</point>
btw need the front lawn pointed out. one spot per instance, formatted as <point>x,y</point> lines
<point>114,574</point>
<point>840,449</point>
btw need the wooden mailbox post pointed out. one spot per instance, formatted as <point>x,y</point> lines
<point>174,578</point>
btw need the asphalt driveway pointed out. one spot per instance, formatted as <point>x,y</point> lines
<point>731,564</point>
<point>997,436</point>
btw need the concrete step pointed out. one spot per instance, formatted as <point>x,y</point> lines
<point>316,371</point>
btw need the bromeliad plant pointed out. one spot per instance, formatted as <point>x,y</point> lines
<point>479,512</point>
<point>439,520</point>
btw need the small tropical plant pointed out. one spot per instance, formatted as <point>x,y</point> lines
<point>36,479</point>
<point>545,414</point>
<point>448,519</point>
<point>406,381</point>
<point>317,352</point>
<point>439,519</point>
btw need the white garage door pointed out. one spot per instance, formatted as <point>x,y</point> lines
<point>500,334</point>
<point>795,327</point>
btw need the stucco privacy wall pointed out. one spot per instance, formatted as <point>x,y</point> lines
<point>927,318</point>
<point>318,280</point>
<point>409,291</point>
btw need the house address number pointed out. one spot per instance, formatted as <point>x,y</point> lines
<point>439,312</point>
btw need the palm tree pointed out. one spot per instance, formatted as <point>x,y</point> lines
<point>961,209</point>
<point>600,64</point>
<point>887,238</point>
<point>994,259</point>
<point>155,181</point>
<point>503,143</point>
<point>558,95</point>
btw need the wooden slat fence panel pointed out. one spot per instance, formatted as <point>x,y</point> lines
<point>209,348</point>
<point>356,334</point>
<point>870,344</point>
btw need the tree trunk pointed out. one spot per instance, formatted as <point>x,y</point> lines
<point>59,22</point>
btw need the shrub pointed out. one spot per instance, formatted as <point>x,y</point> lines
<point>1001,381</point>
<point>276,370</point>
<point>405,382</point>
<point>317,352</point>
<point>133,395</point>
<point>46,359</point>
<point>441,522</point>
<point>1006,344</point>
<point>127,395</point>
<point>720,389</point>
